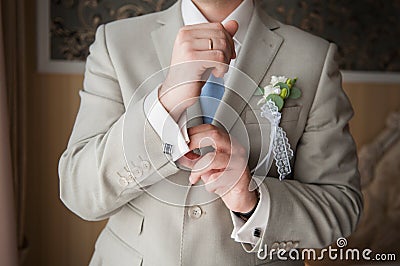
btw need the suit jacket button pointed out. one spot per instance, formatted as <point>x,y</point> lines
<point>123,181</point>
<point>129,178</point>
<point>195,212</point>
<point>145,165</point>
<point>275,246</point>
<point>289,246</point>
<point>137,172</point>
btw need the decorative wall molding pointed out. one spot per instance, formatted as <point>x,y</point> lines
<point>63,41</point>
<point>45,64</point>
<point>367,47</point>
<point>371,77</point>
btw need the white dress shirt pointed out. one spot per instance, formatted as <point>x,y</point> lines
<point>176,133</point>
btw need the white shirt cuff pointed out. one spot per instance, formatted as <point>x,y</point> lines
<point>169,131</point>
<point>243,231</point>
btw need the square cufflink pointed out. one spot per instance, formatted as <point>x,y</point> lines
<point>167,148</point>
<point>257,232</point>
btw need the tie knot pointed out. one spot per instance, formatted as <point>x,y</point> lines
<point>214,79</point>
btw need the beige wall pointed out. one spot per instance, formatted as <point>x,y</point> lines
<point>56,236</point>
<point>372,103</point>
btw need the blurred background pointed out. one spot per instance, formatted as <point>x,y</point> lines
<point>43,45</point>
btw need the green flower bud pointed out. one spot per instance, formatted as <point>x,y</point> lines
<point>284,93</point>
<point>289,82</point>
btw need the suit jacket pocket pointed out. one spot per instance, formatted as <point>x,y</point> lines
<point>127,224</point>
<point>111,250</point>
<point>289,114</point>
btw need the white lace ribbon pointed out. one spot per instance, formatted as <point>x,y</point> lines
<point>279,142</point>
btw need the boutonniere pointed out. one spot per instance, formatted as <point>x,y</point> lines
<point>273,100</point>
<point>279,89</point>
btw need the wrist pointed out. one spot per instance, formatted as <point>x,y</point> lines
<point>246,215</point>
<point>174,111</point>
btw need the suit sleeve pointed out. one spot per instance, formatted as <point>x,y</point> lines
<point>323,201</point>
<point>96,179</point>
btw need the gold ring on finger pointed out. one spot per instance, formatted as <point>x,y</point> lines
<point>210,44</point>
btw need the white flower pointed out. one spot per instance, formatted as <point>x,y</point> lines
<point>275,80</point>
<point>270,89</point>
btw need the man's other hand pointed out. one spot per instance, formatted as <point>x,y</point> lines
<point>223,171</point>
<point>191,58</point>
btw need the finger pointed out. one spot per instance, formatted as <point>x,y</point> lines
<point>218,140</point>
<point>217,56</point>
<point>207,31</point>
<point>204,45</point>
<point>233,147</point>
<point>188,161</point>
<point>196,178</point>
<point>210,161</point>
<point>231,27</point>
<point>214,184</point>
<point>201,166</point>
<point>209,135</point>
<point>220,182</point>
<point>231,44</point>
<point>205,177</point>
<point>192,156</point>
<point>227,180</point>
<point>213,59</point>
<point>219,143</point>
<point>196,68</point>
<point>204,60</point>
<point>200,128</point>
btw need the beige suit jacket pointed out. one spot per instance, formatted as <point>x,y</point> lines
<point>320,202</point>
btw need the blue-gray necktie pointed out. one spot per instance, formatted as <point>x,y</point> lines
<point>210,97</point>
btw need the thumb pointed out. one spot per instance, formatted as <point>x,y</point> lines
<point>232,27</point>
<point>188,160</point>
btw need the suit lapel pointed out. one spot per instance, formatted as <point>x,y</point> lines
<point>258,51</point>
<point>164,36</point>
<point>163,39</point>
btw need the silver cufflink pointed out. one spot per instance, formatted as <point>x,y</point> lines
<point>167,149</point>
<point>257,232</point>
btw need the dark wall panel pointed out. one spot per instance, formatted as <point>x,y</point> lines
<point>366,31</point>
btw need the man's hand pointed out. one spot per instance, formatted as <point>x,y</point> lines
<point>191,58</point>
<point>224,171</point>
